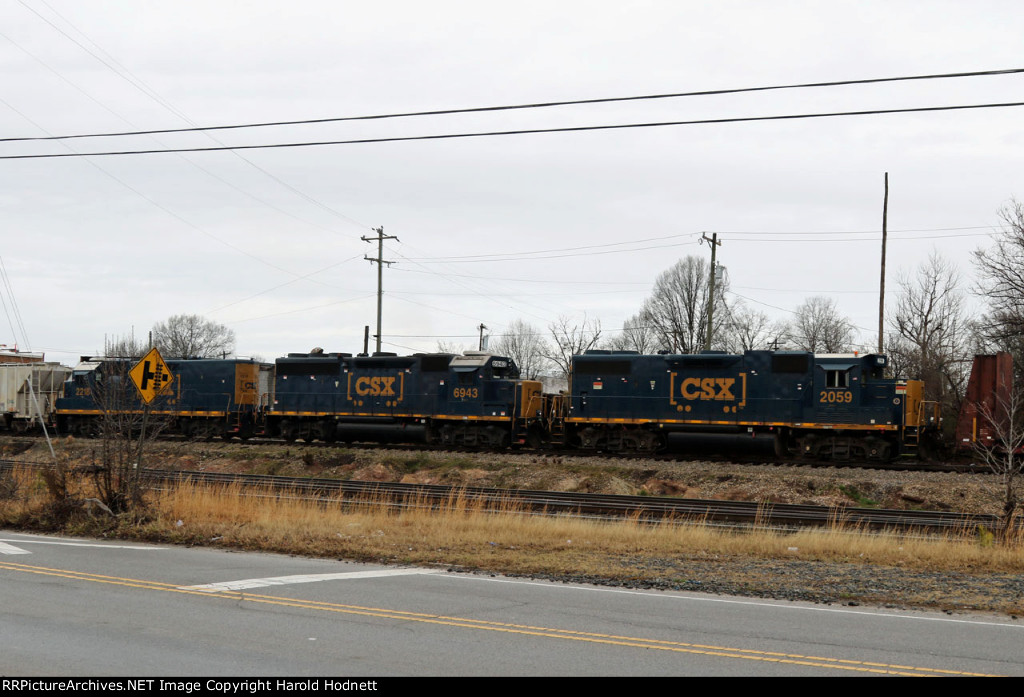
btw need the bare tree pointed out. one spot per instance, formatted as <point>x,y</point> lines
<point>818,327</point>
<point>192,336</point>
<point>451,347</point>
<point>1001,282</point>
<point>637,335</point>
<point>1001,447</point>
<point>748,330</point>
<point>678,306</point>
<point>123,347</point>
<point>931,322</point>
<point>123,427</point>
<point>571,339</point>
<point>902,358</point>
<point>524,344</point>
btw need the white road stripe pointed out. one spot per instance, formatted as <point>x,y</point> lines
<point>301,578</point>
<point>11,549</point>
<point>878,613</point>
<point>73,544</point>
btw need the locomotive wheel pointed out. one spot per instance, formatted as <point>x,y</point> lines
<point>646,442</point>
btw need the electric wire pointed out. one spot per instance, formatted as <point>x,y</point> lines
<point>5,296</point>
<point>153,202</point>
<point>523,131</point>
<point>534,105</point>
<point>115,66</point>
<point>14,304</point>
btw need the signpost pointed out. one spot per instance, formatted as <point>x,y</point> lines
<point>150,375</point>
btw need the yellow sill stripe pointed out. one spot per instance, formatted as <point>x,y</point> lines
<point>440,417</point>
<point>706,422</point>
<point>96,412</point>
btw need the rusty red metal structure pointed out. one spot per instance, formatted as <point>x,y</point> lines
<point>987,399</point>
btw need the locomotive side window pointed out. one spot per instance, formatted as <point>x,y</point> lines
<point>837,378</point>
<point>603,367</point>
<point>790,363</point>
<point>435,364</point>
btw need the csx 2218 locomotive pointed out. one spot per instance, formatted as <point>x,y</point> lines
<point>838,406</point>
<point>206,397</point>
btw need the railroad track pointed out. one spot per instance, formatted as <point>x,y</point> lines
<point>750,454</point>
<point>605,506</point>
<point>698,454</point>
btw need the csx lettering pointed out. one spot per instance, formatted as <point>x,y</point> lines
<point>376,387</point>
<point>708,388</point>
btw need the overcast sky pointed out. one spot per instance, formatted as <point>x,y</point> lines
<point>268,242</point>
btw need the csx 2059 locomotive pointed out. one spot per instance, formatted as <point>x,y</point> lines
<point>838,406</point>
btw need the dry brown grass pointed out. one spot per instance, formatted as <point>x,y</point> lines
<point>462,534</point>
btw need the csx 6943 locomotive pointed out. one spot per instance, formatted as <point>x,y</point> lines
<point>476,399</point>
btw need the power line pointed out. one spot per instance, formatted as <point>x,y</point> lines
<point>860,239</point>
<point>118,69</point>
<point>849,232</point>
<point>546,251</point>
<point>531,280</point>
<point>528,131</point>
<point>550,253</point>
<point>535,105</point>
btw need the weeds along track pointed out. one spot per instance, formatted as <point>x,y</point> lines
<point>734,450</point>
<point>702,453</point>
<point>601,506</point>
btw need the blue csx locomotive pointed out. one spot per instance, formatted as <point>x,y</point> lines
<point>204,398</point>
<point>476,399</point>
<point>837,406</point>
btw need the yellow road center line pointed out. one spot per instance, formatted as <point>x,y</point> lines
<point>527,630</point>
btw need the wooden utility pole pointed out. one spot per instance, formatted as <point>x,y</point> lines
<point>481,328</point>
<point>380,271</point>
<point>713,241</point>
<point>881,291</point>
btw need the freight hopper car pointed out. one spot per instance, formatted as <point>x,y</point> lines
<point>821,406</point>
<point>28,393</point>
<point>473,400</point>
<point>206,397</point>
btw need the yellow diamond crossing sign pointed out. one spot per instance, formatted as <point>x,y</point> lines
<point>151,375</point>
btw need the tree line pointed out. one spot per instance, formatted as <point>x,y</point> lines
<point>929,333</point>
<point>179,336</point>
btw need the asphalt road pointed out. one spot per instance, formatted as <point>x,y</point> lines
<point>74,607</point>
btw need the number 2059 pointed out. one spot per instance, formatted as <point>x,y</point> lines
<point>835,397</point>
